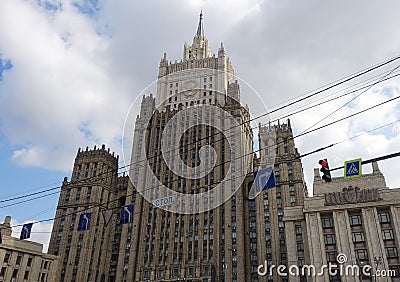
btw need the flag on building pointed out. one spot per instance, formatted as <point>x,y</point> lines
<point>84,221</point>
<point>26,231</point>
<point>126,214</point>
<point>264,179</point>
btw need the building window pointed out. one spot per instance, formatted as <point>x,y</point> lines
<point>276,168</point>
<point>362,254</point>
<point>292,199</point>
<point>355,220</point>
<point>298,230</point>
<point>358,237</point>
<point>331,256</point>
<point>327,222</point>
<point>279,201</point>
<point>391,252</point>
<point>6,257</point>
<point>300,246</point>
<point>15,273</point>
<point>387,234</point>
<point>384,217</point>
<point>291,188</point>
<point>395,270</point>
<point>329,239</point>
<point>289,166</point>
<point>18,261</point>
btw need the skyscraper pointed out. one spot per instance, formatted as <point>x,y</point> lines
<point>191,170</point>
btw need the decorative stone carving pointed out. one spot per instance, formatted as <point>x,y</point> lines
<point>351,196</point>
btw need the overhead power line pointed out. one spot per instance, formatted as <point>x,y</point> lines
<point>92,206</point>
<point>385,157</point>
<point>329,86</point>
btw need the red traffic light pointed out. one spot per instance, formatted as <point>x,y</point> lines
<point>325,170</point>
<point>323,163</point>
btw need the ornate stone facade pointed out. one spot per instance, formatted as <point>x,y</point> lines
<point>359,223</point>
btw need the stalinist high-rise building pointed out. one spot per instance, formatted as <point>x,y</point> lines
<point>191,171</point>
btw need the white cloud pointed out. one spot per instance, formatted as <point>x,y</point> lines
<point>59,95</point>
<point>74,76</point>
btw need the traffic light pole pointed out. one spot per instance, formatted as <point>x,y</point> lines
<point>373,160</point>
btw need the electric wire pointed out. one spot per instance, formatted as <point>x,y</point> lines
<point>353,99</point>
<point>330,86</point>
<point>249,154</point>
<point>91,206</point>
<point>317,91</point>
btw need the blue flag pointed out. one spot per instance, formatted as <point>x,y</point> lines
<point>264,179</point>
<point>126,214</point>
<point>84,221</point>
<point>26,231</point>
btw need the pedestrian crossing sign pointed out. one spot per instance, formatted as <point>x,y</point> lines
<point>353,168</point>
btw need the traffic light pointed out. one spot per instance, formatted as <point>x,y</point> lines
<point>325,170</point>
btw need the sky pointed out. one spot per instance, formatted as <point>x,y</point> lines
<point>69,71</point>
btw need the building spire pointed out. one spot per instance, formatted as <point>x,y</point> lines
<point>200,48</point>
<point>200,28</point>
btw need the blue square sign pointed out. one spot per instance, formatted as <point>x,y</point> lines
<point>353,168</point>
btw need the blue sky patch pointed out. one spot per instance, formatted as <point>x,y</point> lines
<point>86,132</point>
<point>89,7</point>
<point>50,5</point>
<point>5,64</point>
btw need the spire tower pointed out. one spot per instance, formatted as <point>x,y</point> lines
<point>200,28</point>
<point>200,48</point>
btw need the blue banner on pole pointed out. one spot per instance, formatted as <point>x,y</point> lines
<point>26,231</point>
<point>84,221</point>
<point>126,214</point>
